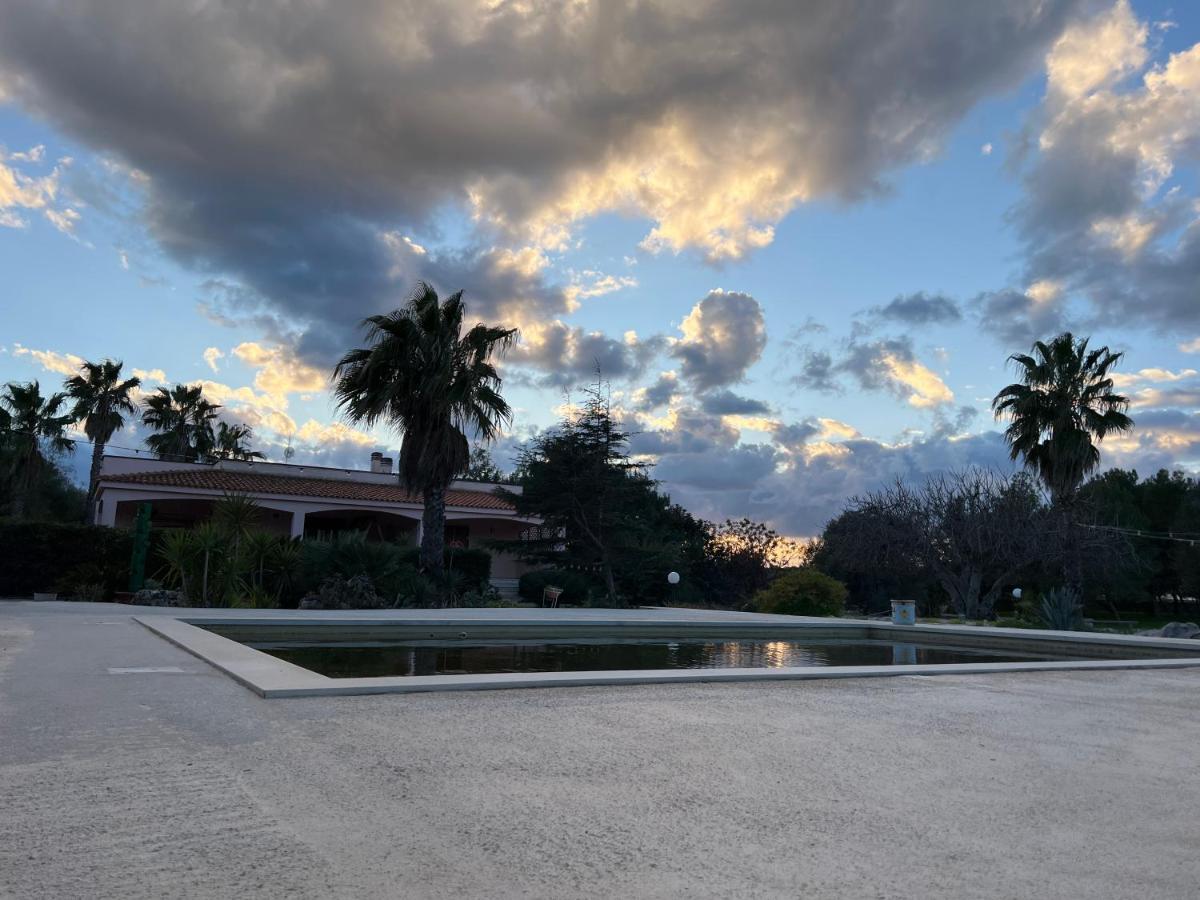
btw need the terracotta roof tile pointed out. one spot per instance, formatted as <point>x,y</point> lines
<point>328,488</point>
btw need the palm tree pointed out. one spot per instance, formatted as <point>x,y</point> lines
<point>1061,408</point>
<point>183,423</point>
<point>232,443</point>
<point>102,399</point>
<point>36,428</point>
<point>422,375</point>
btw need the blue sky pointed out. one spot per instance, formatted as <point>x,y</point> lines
<point>211,196</point>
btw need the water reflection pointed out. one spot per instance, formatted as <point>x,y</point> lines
<point>485,657</point>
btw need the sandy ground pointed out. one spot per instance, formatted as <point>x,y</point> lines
<point>182,784</point>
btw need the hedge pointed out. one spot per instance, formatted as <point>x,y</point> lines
<point>71,559</point>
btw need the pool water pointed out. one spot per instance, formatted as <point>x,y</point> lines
<point>480,657</point>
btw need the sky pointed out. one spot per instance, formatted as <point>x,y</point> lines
<point>797,240</point>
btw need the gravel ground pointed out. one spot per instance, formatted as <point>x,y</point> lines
<point>162,784</point>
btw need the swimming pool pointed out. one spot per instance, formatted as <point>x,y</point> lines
<point>292,654</point>
<point>482,657</point>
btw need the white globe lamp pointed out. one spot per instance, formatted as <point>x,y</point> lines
<point>672,578</point>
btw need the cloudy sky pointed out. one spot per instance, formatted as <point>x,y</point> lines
<point>798,239</point>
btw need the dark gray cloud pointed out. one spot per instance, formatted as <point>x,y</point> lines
<point>1016,319</point>
<point>727,403</point>
<point>281,143</point>
<point>919,309</point>
<point>658,394</point>
<point>796,482</point>
<point>564,356</point>
<point>817,371</point>
<point>723,336</point>
<point>885,364</point>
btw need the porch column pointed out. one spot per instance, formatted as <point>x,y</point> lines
<point>106,512</point>
<point>420,530</point>
<point>298,524</point>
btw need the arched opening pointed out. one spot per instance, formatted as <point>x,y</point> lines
<point>478,533</point>
<point>375,524</point>
<point>188,513</point>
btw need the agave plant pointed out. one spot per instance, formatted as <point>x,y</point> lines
<point>1062,609</point>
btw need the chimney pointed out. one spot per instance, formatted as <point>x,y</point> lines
<point>385,465</point>
<point>376,462</point>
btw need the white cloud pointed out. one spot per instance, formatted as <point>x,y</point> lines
<point>924,388</point>
<point>64,220</point>
<point>1126,379</point>
<point>1096,53</point>
<point>148,376</point>
<point>32,155</point>
<point>19,191</point>
<point>279,371</point>
<point>212,355</point>
<point>591,283</point>
<point>51,360</point>
<point>986,149</point>
<point>314,432</point>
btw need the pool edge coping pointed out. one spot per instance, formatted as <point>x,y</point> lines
<point>270,677</point>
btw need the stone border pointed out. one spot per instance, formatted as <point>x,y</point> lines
<point>271,677</point>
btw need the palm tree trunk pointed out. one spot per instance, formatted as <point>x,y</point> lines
<point>26,481</point>
<point>93,481</point>
<point>433,531</point>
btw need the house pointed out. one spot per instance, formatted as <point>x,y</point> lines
<point>310,501</point>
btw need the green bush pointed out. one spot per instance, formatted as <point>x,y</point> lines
<point>575,585</point>
<point>472,564</point>
<point>802,592</point>
<point>46,556</point>
<point>475,566</point>
<point>350,554</point>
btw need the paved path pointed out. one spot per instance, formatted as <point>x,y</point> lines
<point>162,784</point>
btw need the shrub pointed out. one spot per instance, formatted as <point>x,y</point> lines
<point>348,555</point>
<point>802,592</point>
<point>355,592</point>
<point>1062,610</point>
<point>82,559</point>
<point>576,586</point>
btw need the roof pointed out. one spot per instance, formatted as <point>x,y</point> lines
<point>325,488</point>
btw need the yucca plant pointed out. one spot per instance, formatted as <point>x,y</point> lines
<point>212,559</point>
<point>261,550</point>
<point>178,553</point>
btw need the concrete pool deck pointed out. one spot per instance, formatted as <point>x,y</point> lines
<point>130,768</point>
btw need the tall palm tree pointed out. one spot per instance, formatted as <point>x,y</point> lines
<point>1060,409</point>
<point>422,375</point>
<point>102,400</point>
<point>36,427</point>
<point>232,442</point>
<point>183,423</point>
